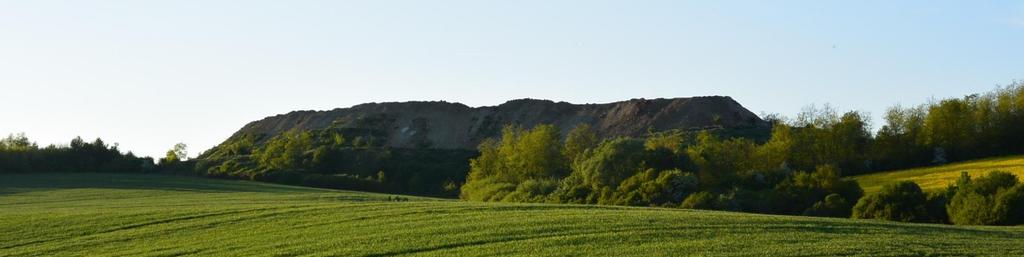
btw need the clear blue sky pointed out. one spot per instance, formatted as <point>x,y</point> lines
<point>148,74</point>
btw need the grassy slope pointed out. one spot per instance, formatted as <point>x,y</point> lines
<point>938,177</point>
<point>104,214</point>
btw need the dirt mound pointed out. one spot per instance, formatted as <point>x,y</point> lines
<point>447,125</point>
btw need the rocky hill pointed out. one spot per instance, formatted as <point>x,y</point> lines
<point>443,125</point>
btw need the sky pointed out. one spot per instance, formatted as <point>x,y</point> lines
<point>149,74</point>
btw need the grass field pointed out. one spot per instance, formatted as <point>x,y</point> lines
<point>150,215</point>
<point>938,177</point>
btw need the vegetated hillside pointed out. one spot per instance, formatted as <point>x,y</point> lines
<point>424,148</point>
<point>939,177</point>
<point>147,215</point>
<point>446,125</point>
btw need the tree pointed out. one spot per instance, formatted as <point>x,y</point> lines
<point>721,163</point>
<point>822,137</point>
<point>775,153</point>
<point>949,125</point>
<point>596,175</point>
<point>522,155</point>
<point>286,152</point>
<point>985,200</point>
<point>849,141</point>
<point>671,141</point>
<point>900,201</point>
<point>611,163</point>
<point>537,153</point>
<point>180,150</point>
<point>17,142</point>
<point>665,150</point>
<point>337,140</point>
<point>176,154</point>
<point>580,139</point>
<point>898,143</point>
<point>242,145</point>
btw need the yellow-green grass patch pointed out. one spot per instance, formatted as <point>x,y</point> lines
<point>938,177</point>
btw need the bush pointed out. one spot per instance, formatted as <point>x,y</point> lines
<point>902,201</point>
<point>572,190</point>
<point>532,191</point>
<point>1011,204</point>
<point>727,202</point>
<point>970,208</point>
<point>936,206</point>
<point>804,190</point>
<point>486,189</point>
<point>993,183</point>
<point>987,200</point>
<point>610,163</point>
<point>655,188</point>
<point>598,173</point>
<point>834,205</point>
<point>700,200</point>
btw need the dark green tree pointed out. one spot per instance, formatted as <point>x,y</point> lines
<point>900,201</point>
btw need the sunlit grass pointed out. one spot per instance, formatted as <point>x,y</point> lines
<point>938,177</point>
<point>144,215</point>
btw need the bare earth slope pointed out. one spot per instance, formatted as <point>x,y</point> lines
<point>456,126</point>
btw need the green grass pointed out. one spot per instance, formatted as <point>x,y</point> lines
<point>938,177</point>
<point>149,215</point>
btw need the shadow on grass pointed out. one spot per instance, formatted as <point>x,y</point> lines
<point>20,183</point>
<point>852,226</point>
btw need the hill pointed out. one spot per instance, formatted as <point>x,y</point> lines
<point>446,125</point>
<point>424,148</point>
<point>150,215</point>
<point>938,177</point>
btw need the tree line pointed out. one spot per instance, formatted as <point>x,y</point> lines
<point>20,155</point>
<point>798,170</point>
<point>323,158</point>
<point>669,169</point>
